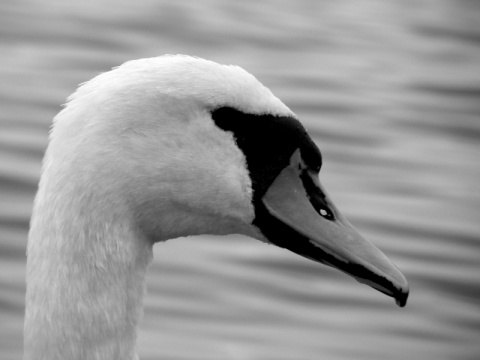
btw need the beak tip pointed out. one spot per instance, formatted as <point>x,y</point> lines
<point>402,296</point>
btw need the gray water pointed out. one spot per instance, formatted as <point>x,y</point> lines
<point>390,91</point>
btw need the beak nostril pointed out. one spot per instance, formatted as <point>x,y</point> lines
<point>316,197</point>
<point>291,215</point>
<point>323,212</point>
<point>326,213</point>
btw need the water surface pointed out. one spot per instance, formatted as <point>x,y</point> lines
<point>390,92</point>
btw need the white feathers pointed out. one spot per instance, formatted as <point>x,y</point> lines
<point>187,79</point>
<point>133,158</point>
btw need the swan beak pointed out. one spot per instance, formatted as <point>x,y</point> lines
<point>298,215</point>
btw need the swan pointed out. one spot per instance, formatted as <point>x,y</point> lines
<point>162,148</point>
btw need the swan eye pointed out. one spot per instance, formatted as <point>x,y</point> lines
<point>268,142</point>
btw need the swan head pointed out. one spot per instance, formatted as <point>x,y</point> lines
<point>186,146</point>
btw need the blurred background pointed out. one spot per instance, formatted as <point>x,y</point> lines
<point>390,91</point>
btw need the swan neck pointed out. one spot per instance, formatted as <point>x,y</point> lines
<point>86,270</point>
